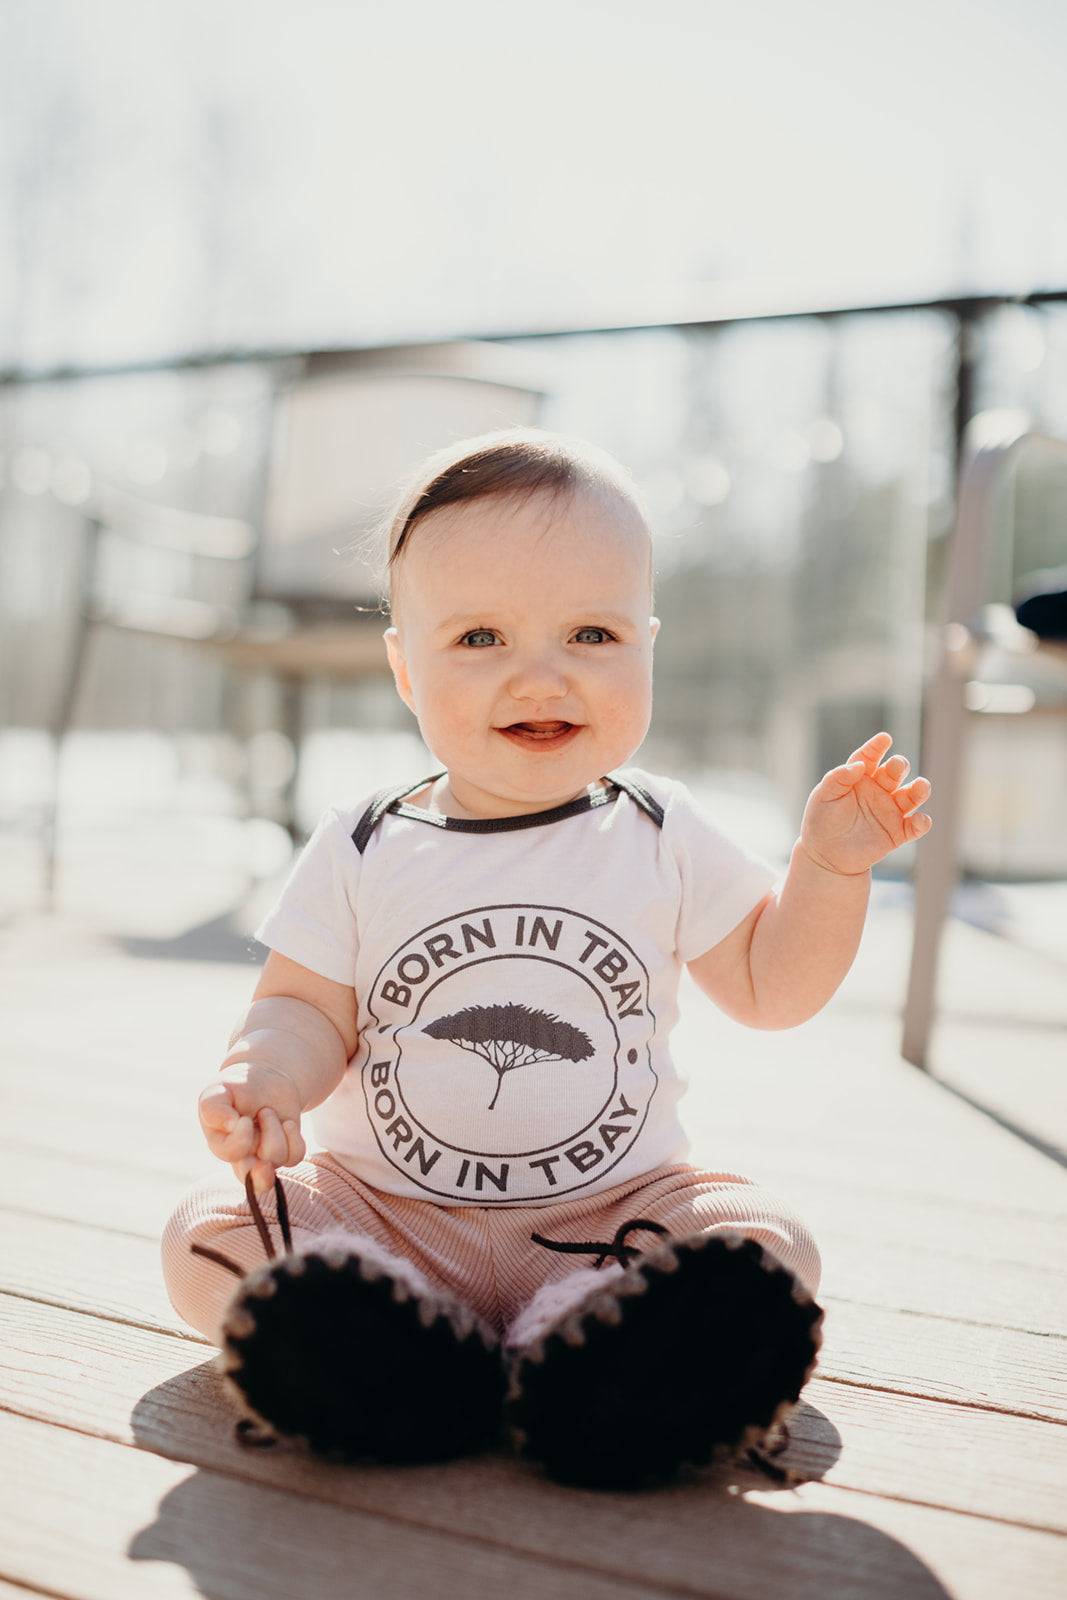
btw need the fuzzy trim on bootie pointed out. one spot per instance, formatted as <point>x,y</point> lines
<point>700,1346</point>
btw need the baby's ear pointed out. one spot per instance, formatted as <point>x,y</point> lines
<point>394,650</point>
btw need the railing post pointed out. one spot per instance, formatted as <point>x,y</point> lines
<point>990,441</point>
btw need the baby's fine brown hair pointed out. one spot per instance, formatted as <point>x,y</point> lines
<point>513,463</point>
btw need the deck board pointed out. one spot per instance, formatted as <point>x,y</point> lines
<point>935,1282</point>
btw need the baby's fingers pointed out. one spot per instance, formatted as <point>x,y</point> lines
<point>909,797</point>
<point>263,1177</point>
<point>229,1135</point>
<point>839,781</point>
<point>262,1173</point>
<point>273,1144</point>
<point>872,752</point>
<point>297,1148</point>
<point>238,1141</point>
<point>912,795</point>
<point>892,772</point>
<point>263,1167</point>
<point>216,1108</point>
<point>268,1153</point>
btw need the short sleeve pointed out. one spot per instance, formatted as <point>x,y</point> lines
<point>720,882</point>
<point>313,921</point>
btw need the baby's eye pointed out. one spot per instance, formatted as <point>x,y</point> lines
<point>478,638</point>
<point>592,636</point>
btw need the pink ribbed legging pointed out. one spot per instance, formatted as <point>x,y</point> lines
<point>482,1256</point>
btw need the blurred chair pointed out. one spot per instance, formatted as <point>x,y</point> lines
<point>291,595</point>
<point>974,629</point>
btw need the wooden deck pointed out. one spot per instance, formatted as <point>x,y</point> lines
<point>931,1443</point>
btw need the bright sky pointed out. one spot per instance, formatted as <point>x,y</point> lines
<point>183,174</point>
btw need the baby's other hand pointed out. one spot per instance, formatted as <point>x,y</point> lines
<point>864,809</point>
<point>250,1117</point>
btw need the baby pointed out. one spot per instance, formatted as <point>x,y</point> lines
<point>474,980</point>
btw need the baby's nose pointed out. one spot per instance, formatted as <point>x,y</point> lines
<point>538,675</point>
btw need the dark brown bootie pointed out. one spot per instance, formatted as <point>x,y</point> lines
<point>350,1349</point>
<point>699,1347</point>
<point>344,1347</point>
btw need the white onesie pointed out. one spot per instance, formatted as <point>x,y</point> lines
<point>517,982</point>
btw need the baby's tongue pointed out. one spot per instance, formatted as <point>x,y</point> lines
<point>546,730</point>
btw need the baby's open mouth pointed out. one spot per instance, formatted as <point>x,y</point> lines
<point>541,734</point>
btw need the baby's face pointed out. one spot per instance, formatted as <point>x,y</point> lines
<point>523,643</point>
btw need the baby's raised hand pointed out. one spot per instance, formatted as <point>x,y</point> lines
<point>863,810</point>
<point>250,1116</point>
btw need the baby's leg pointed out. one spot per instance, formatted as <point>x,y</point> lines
<point>691,1200</point>
<point>216,1215</point>
<point>683,1200</point>
<point>453,1247</point>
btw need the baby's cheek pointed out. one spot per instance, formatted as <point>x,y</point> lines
<point>631,704</point>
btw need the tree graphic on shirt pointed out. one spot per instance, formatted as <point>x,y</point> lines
<point>510,1036</point>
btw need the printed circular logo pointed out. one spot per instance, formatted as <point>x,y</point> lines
<point>511,1058</point>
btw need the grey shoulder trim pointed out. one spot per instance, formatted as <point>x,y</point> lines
<point>379,806</point>
<point>640,796</point>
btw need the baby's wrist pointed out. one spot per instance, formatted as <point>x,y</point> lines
<point>266,1081</point>
<point>814,858</point>
<point>242,1065</point>
<point>293,1041</point>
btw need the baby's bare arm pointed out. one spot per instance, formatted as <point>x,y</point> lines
<point>287,1053</point>
<point>787,958</point>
